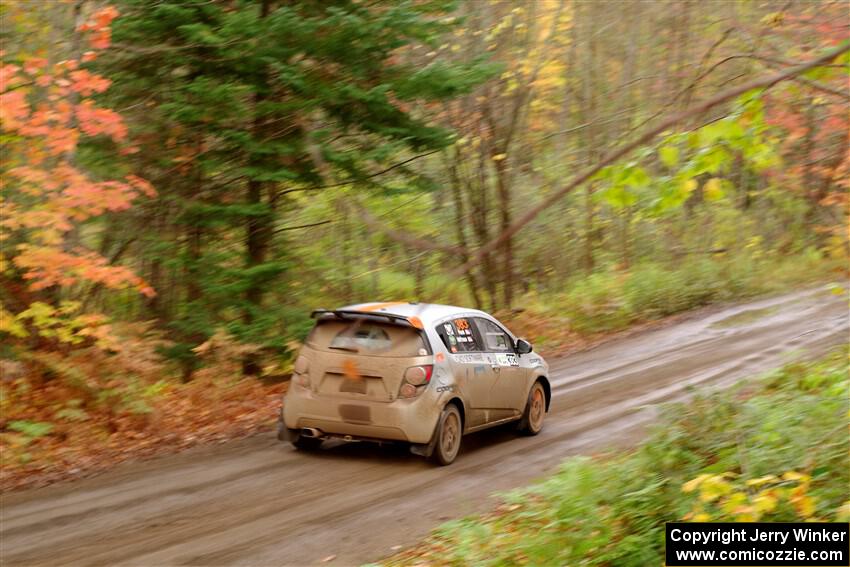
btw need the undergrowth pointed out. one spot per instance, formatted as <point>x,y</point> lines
<point>773,449</point>
<point>616,299</point>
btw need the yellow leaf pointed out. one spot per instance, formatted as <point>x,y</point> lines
<point>734,503</point>
<point>793,475</point>
<point>8,324</point>
<point>761,480</point>
<point>713,488</point>
<point>713,189</point>
<point>693,484</point>
<point>764,503</point>
<point>773,19</point>
<point>499,157</point>
<point>804,505</point>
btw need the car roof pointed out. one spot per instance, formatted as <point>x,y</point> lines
<point>426,312</point>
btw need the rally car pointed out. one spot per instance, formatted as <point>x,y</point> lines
<point>424,374</point>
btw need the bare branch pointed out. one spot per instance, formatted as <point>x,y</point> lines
<point>725,96</point>
<point>309,225</point>
<point>376,174</point>
<point>399,236</point>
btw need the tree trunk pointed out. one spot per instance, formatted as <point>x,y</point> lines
<point>504,188</point>
<point>478,200</point>
<point>259,229</point>
<point>460,222</point>
<point>194,238</point>
<point>590,141</point>
<point>345,250</point>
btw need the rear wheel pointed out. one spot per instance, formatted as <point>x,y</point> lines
<point>535,410</point>
<point>449,433</point>
<point>301,442</point>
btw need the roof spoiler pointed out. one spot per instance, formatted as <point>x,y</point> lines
<point>414,322</point>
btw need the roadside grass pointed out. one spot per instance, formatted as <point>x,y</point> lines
<point>771,449</point>
<point>613,300</point>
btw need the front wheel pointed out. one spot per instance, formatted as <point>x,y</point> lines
<point>535,410</point>
<point>449,434</point>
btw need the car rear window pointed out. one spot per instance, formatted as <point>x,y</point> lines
<point>368,338</point>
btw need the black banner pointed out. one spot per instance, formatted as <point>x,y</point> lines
<point>760,544</point>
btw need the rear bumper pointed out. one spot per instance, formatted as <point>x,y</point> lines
<point>411,420</point>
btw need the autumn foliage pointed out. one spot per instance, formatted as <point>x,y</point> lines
<point>74,413</point>
<point>83,393</point>
<point>315,154</point>
<point>46,109</point>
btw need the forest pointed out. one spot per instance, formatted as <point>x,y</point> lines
<point>184,181</point>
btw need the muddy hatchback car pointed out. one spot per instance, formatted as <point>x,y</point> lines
<point>423,374</point>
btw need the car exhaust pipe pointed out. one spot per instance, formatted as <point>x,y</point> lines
<point>311,432</point>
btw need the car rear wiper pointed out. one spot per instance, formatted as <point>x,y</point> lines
<point>349,349</point>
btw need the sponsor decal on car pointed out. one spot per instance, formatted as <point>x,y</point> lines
<point>507,359</point>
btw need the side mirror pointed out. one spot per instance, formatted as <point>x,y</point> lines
<point>523,346</point>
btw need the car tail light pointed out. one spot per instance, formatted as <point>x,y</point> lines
<point>415,380</point>
<point>418,375</point>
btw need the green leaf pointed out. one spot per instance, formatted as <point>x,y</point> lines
<point>669,156</point>
<point>34,429</point>
<point>619,197</point>
<point>72,414</point>
<point>636,176</point>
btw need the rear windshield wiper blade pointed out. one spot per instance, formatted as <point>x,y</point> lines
<point>349,349</point>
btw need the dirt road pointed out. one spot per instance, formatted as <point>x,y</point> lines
<point>258,502</point>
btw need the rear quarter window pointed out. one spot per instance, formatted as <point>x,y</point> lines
<point>459,335</point>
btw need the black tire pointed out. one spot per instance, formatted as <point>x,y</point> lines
<point>282,431</point>
<point>448,435</point>
<point>535,411</point>
<point>303,443</point>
